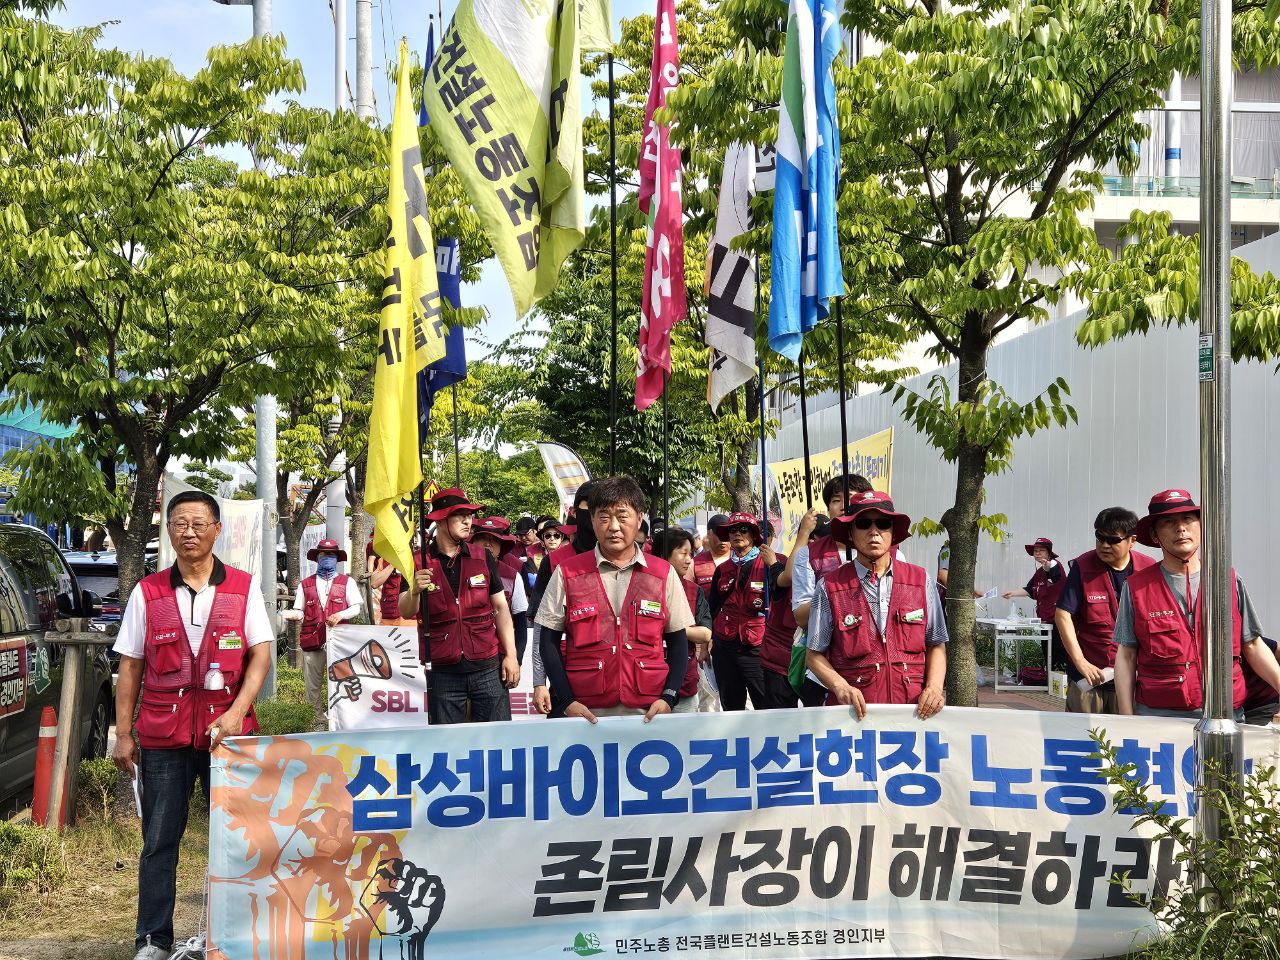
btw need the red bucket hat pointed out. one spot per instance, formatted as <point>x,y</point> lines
<point>1163,503</point>
<point>326,546</point>
<point>842,527</point>
<point>499,528</point>
<point>739,520</point>
<point>568,531</point>
<point>451,501</point>
<point>1040,542</point>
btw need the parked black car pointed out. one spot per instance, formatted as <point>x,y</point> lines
<point>37,586</point>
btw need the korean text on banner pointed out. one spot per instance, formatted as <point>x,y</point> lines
<point>375,680</point>
<point>870,457</point>
<point>662,303</point>
<point>411,336</point>
<point>567,473</point>
<point>779,834</point>
<point>504,98</point>
<point>238,545</point>
<point>806,271</point>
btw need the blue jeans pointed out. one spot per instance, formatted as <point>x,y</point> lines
<point>168,778</point>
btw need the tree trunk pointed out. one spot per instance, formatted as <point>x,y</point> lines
<point>961,521</point>
<point>131,537</point>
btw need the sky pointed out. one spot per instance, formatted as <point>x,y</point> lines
<point>183,31</point>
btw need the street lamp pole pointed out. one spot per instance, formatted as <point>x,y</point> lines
<point>1219,745</point>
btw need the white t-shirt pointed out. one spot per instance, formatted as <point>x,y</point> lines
<point>194,607</point>
<point>354,600</point>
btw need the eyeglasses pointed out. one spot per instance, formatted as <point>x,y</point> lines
<point>552,535</point>
<point>880,523</point>
<point>1107,539</point>
<point>182,526</point>
<point>745,530</point>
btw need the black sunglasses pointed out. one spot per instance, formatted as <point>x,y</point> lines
<point>880,523</point>
<point>743,529</point>
<point>1106,538</point>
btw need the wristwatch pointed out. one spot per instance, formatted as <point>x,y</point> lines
<point>671,696</point>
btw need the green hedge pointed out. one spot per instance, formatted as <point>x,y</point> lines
<point>31,857</point>
<point>278,716</point>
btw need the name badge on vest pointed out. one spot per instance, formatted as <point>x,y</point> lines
<point>757,585</point>
<point>913,616</point>
<point>582,612</point>
<point>1096,598</point>
<point>851,621</point>
<point>650,608</point>
<point>167,636</point>
<point>230,641</point>
<point>478,580</point>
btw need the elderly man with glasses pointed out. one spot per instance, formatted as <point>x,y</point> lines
<point>195,642</point>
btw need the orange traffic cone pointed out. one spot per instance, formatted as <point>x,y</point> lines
<point>44,770</point>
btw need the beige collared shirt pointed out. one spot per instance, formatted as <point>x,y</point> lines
<point>616,579</point>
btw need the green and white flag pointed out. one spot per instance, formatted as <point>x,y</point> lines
<point>504,97</point>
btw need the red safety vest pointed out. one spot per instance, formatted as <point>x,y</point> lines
<point>1170,670</point>
<point>1095,619</point>
<point>390,602</point>
<point>509,568</point>
<point>615,658</point>
<point>176,710</point>
<point>461,626</point>
<point>315,628</point>
<point>690,686</point>
<point>1046,594</point>
<point>566,551</point>
<point>779,632</point>
<point>887,668</point>
<point>704,568</point>
<point>741,615</point>
<point>824,557</point>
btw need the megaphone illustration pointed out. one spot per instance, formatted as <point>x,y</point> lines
<point>369,661</point>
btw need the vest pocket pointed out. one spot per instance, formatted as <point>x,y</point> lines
<point>642,680</point>
<point>587,680</point>
<point>1164,638</point>
<point>159,718</point>
<point>910,634</point>
<point>165,653</point>
<point>753,631</point>
<point>1169,686</point>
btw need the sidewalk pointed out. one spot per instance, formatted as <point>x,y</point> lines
<point>1020,700</point>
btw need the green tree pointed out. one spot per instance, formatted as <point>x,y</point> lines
<point>151,283</point>
<point>968,145</point>
<point>207,478</point>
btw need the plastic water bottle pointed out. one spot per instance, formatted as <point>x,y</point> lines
<point>213,678</point>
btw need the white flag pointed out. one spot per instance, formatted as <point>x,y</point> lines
<point>731,280</point>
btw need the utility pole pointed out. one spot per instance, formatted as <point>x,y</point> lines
<point>1173,133</point>
<point>264,415</point>
<point>364,59</point>
<point>1219,744</point>
<point>335,508</point>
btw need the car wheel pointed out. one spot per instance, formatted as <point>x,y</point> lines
<point>99,725</point>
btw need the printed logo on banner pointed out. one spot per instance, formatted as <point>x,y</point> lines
<point>404,900</point>
<point>585,945</point>
<point>394,656</point>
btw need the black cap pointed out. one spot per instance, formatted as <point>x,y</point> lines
<point>719,520</point>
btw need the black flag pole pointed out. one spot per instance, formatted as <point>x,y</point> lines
<point>613,282</point>
<point>666,440</point>
<point>844,426</point>
<point>804,434</point>
<point>764,481</point>
<point>424,629</point>
<point>457,459</point>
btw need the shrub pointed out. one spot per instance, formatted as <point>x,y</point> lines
<point>31,857</point>
<point>97,785</point>
<point>289,684</point>
<point>1227,906</point>
<point>278,716</point>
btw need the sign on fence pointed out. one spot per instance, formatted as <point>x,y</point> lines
<point>760,835</point>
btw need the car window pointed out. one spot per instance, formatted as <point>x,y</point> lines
<point>66,602</point>
<point>44,582</point>
<point>13,614</point>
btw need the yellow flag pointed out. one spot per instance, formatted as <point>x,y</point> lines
<point>411,335</point>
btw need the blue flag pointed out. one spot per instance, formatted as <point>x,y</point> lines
<point>423,119</point>
<point>452,367</point>
<point>806,253</point>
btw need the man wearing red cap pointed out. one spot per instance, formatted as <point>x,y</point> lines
<point>1159,657</point>
<point>707,560</point>
<point>1086,614</point>
<point>323,600</point>
<point>876,629</point>
<point>614,619</point>
<point>494,534</point>
<point>470,639</point>
<point>739,598</point>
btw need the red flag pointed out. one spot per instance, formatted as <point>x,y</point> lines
<point>663,304</point>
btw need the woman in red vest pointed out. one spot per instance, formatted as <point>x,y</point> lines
<point>469,639</point>
<point>1046,583</point>
<point>739,598</point>
<point>195,642</point>
<point>493,533</point>
<point>1160,655</point>
<point>675,545</point>
<point>876,630</point>
<point>324,599</point>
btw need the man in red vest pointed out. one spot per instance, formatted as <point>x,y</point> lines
<point>470,639</point>
<point>877,633</point>
<point>1086,614</point>
<point>196,642</point>
<point>739,598</point>
<point>324,599</point>
<point>716,552</point>
<point>1160,655</point>
<point>675,545</point>
<point>614,618</point>
<point>494,534</point>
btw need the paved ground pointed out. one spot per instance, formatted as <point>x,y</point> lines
<point>1020,700</point>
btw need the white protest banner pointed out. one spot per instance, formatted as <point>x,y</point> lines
<point>770,835</point>
<point>567,473</point>
<point>377,682</point>
<point>240,543</point>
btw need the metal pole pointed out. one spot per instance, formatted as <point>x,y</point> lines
<point>666,468</point>
<point>1219,753</point>
<point>764,480</point>
<point>457,458</point>
<point>844,426</point>
<point>335,508</point>
<point>264,415</point>
<point>613,281</point>
<point>364,59</point>
<point>339,53</point>
<point>424,629</point>
<point>804,435</point>
<point>1173,134</point>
